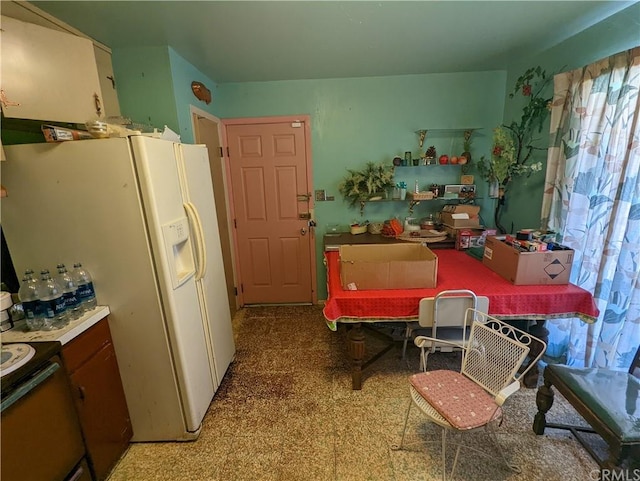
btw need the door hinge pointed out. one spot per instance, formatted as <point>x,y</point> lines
<point>221,152</point>
<point>242,287</point>
<point>235,224</point>
<point>235,291</point>
<point>227,151</point>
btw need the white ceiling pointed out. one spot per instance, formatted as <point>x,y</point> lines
<point>241,41</point>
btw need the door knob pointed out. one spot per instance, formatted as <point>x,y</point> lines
<point>303,231</point>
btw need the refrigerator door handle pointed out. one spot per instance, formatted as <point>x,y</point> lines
<point>201,250</point>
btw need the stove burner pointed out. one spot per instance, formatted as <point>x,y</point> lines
<point>13,356</point>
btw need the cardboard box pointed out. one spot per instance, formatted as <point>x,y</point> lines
<point>460,215</point>
<point>527,268</point>
<point>453,231</point>
<point>387,266</point>
<point>451,220</point>
<point>472,210</point>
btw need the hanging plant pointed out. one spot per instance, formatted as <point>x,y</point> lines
<point>514,143</point>
<point>361,185</point>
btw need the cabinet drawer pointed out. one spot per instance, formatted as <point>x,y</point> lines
<point>78,351</point>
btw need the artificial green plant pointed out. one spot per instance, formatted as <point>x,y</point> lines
<point>361,185</point>
<point>514,143</point>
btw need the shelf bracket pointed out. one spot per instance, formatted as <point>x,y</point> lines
<point>362,203</point>
<point>422,135</point>
<point>412,204</point>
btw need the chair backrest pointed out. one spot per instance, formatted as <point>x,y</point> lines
<point>448,308</point>
<point>495,352</point>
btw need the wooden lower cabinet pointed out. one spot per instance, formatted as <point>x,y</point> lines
<point>93,369</point>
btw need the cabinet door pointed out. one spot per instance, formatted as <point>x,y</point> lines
<point>102,409</point>
<point>110,103</point>
<point>47,74</point>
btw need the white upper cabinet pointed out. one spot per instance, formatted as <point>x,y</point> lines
<point>47,74</point>
<point>110,103</point>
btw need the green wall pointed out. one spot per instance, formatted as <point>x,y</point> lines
<point>374,119</point>
<point>617,33</point>
<point>154,87</point>
<point>145,87</point>
<point>183,73</point>
<point>370,119</point>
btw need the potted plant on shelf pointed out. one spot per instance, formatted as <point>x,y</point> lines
<point>370,182</point>
<point>430,155</point>
<point>513,144</point>
<point>466,147</point>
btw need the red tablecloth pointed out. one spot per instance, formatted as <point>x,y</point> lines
<point>456,270</point>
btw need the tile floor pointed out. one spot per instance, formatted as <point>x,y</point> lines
<point>286,412</point>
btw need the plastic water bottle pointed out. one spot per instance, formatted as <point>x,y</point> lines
<point>30,299</point>
<point>70,292</point>
<point>52,300</point>
<point>85,287</point>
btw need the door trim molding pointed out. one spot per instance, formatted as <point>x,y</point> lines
<point>222,138</point>
<point>306,120</point>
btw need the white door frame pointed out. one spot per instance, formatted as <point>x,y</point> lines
<point>227,187</point>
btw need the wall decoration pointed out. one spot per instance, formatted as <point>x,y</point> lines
<point>201,92</point>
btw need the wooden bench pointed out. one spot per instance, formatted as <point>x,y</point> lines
<point>608,400</point>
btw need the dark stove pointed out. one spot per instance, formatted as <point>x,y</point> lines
<point>39,419</point>
<point>44,352</point>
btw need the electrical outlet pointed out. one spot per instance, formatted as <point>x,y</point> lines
<point>321,195</point>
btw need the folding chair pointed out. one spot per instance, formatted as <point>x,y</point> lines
<point>443,317</point>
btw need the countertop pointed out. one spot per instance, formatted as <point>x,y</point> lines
<point>20,333</point>
<point>332,242</point>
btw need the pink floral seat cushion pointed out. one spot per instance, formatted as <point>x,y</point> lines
<point>463,403</point>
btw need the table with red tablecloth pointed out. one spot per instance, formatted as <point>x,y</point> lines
<point>456,270</point>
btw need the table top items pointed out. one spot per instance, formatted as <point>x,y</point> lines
<point>456,270</point>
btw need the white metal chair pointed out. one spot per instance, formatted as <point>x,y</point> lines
<point>443,317</point>
<point>492,357</point>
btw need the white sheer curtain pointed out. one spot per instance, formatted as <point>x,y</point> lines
<point>592,199</point>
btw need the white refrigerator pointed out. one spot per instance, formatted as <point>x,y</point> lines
<point>139,213</point>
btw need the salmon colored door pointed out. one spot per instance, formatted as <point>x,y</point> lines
<point>271,198</point>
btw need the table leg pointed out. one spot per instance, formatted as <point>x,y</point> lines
<point>355,349</point>
<point>544,401</point>
<point>616,456</point>
<point>538,330</point>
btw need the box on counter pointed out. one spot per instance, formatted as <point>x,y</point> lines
<point>472,210</point>
<point>460,215</point>
<point>387,266</point>
<point>527,268</point>
<point>478,234</point>
<point>467,238</point>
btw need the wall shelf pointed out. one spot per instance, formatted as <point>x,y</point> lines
<point>412,203</point>
<point>466,132</point>
<point>433,164</point>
